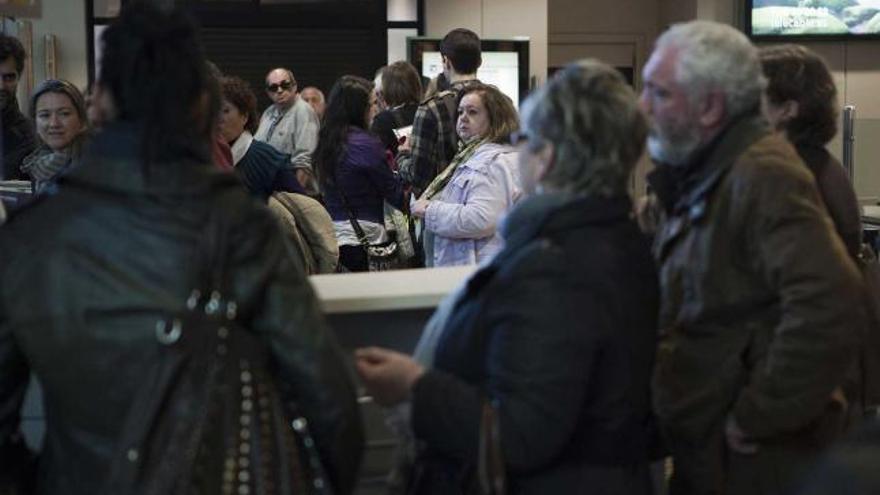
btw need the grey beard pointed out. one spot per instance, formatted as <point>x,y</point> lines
<point>678,154</point>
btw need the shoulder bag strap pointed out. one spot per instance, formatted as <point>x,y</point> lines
<point>358,230</point>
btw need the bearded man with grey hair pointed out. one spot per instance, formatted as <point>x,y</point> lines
<point>759,315</point>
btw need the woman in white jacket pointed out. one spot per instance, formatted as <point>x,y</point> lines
<point>461,208</point>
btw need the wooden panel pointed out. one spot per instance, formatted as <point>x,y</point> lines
<point>317,57</point>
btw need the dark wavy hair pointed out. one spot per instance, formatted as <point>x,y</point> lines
<point>401,84</point>
<point>237,91</point>
<point>11,47</point>
<point>796,73</point>
<point>155,71</point>
<point>346,108</point>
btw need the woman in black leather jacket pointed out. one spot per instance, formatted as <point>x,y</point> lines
<point>87,272</point>
<point>557,332</point>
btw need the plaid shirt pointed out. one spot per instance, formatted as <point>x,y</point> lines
<point>434,141</point>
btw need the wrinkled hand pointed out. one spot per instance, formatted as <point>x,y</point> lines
<point>419,208</point>
<point>737,440</point>
<point>838,396</point>
<point>304,177</point>
<point>387,375</point>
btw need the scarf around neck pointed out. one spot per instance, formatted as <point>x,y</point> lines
<point>464,154</point>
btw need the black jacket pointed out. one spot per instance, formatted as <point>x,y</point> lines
<point>88,271</point>
<point>18,141</point>
<point>559,332</point>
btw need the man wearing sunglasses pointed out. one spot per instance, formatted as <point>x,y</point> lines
<point>18,133</point>
<point>290,125</point>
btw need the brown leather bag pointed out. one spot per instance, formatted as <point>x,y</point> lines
<point>210,418</point>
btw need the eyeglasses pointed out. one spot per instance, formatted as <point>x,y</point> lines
<point>284,86</point>
<point>527,138</point>
<point>520,137</point>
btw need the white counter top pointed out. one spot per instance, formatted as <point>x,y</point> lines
<point>871,212</point>
<point>391,290</point>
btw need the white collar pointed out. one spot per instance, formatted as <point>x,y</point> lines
<point>241,146</point>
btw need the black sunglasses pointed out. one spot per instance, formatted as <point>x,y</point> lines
<point>285,86</point>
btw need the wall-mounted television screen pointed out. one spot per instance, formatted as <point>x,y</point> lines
<point>505,63</point>
<point>813,18</point>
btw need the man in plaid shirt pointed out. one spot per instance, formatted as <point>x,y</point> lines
<point>434,142</point>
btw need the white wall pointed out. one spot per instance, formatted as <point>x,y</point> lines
<point>495,19</point>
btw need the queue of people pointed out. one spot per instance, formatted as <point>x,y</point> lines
<point>598,335</point>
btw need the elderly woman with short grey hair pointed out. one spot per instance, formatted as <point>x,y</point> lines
<point>555,337</point>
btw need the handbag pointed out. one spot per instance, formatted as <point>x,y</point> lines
<point>380,257</point>
<point>210,417</point>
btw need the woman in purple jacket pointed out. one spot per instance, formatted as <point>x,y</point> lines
<point>354,170</point>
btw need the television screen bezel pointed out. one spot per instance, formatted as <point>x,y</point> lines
<point>519,45</point>
<point>747,27</point>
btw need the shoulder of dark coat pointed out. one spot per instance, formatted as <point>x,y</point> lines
<point>770,162</point>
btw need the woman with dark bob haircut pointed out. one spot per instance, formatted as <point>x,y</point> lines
<point>261,168</point>
<point>554,336</point>
<point>97,290</point>
<point>354,171</point>
<point>802,103</point>
<point>402,91</point>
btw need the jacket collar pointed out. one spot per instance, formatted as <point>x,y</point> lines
<point>241,146</point>
<point>110,162</point>
<point>544,214</point>
<point>12,116</point>
<point>686,188</point>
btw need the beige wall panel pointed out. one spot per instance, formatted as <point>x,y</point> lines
<point>508,18</point>
<point>65,19</point>
<point>616,54</point>
<point>495,19</point>
<point>602,16</point>
<point>672,11</point>
<point>443,15</point>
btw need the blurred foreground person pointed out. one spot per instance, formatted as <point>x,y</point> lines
<point>555,337</point>
<point>59,110</point>
<point>98,296</point>
<point>758,322</point>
